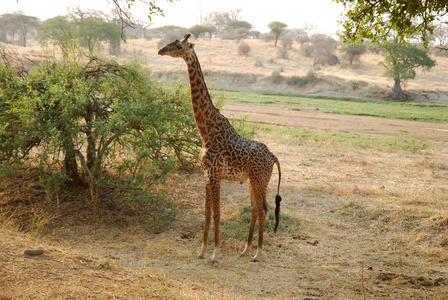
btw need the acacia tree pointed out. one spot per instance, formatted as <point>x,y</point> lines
<point>277,28</point>
<point>21,24</point>
<point>60,30</point>
<point>200,30</point>
<point>401,60</point>
<point>376,20</point>
<point>73,120</point>
<point>353,52</point>
<point>87,28</point>
<point>440,36</point>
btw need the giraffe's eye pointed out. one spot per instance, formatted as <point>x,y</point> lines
<point>178,46</point>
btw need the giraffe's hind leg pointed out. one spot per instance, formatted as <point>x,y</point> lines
<point>262,212</point>
<point>208,215</point>
<point>258,183</point>
<point>254,214</point>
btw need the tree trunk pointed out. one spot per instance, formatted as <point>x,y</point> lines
<point>3,37</point>
<point>397,92</point>
<point>71,169</point>
<point>70,164</point>
<point>114,47</point>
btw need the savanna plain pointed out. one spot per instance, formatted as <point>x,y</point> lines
<point>364,212</point>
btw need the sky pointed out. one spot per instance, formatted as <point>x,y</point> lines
<point>295,13</point>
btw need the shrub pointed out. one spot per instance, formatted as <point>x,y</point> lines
<point>307,49</point>
<point>322,49</point>
<point>244,49</point>
<point>258,63</point>
<point>326,59</point>
<point>353,52</point>
<point>309,79</point>
<point>276,77</point>
<point>286,41</point>
<point>267,37</point>
<point>84,124</point>
<point>282,53</point>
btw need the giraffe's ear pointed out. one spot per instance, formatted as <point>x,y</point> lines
<point>191,45</point>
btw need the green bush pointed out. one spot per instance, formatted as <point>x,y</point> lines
<point>98,124</point>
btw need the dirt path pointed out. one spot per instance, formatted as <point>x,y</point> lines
<point>314,119</point>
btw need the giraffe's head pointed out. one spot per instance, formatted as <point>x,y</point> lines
<point>177,48</point>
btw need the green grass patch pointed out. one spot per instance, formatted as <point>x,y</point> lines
<point>325,138</point>
<point>425,112</point>
<point>360,213</point>
<point>238,227</point>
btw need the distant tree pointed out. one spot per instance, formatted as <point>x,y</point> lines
<point>353,52</point>
<point>277,28</point>
<point>113,34</point>
<point>286,40</point>
<point>87,28</point>
<point>239,25</point>
<point>219,20</point>
<point>234,14</point>
<point>210,30</point>
<point>440,35</point>
<point>60,30</point>
<point>201,30</point>
<point>20,24</point>
<point>91,32</point>
<point>226,22</point>
<point>322,49</point>
<point>5,28</point>
<point>376,20</point>
<point>237,30</point>
<point>401,60</point>
<point>168,34</point>
<point>141,26</point>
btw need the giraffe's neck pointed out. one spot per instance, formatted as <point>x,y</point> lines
<point>205,113</point>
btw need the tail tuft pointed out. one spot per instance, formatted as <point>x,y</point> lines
<point>278,199</point>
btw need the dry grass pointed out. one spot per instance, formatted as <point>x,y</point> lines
<point>220,60</point>
<point>369,222</point>
<point>220,57</point>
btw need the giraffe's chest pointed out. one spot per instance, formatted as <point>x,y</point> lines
<point>224,166</point>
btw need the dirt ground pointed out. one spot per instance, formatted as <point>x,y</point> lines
<point>371,225</point>
<point>315,119</point>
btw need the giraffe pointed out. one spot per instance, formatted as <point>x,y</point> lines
<point>225,155</point>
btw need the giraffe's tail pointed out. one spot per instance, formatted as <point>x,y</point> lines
<point>278,199</point>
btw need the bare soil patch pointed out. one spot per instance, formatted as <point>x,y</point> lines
<point>309,117</point>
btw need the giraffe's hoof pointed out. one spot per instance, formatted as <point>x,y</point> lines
<point>201,256</point>
<point>213,261</point>
<point>243,254</point>
<point>255,260</point>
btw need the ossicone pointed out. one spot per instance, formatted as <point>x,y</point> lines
<point>186,37</point>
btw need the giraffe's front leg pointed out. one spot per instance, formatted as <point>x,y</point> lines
<point>208,215</point>
<point>215,189</point>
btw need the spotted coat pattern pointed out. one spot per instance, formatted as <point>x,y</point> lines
<point>225,155</point>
